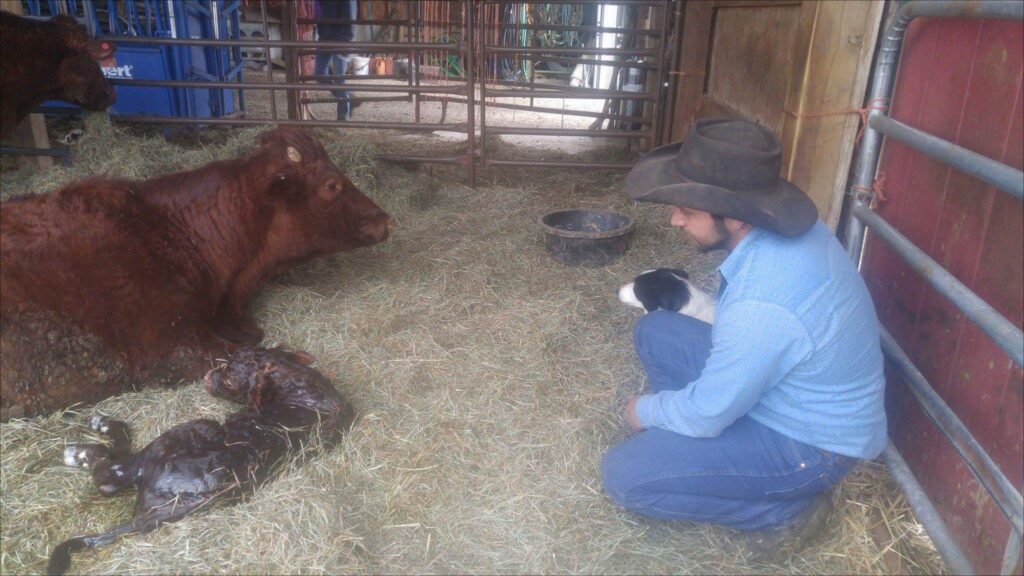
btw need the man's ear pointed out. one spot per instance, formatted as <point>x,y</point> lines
<point>736,226</point>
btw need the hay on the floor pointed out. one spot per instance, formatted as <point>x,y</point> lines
<point>488,379</point>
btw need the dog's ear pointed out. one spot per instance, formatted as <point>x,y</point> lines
<point>680,273</point>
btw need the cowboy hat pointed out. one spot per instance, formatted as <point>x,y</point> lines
<point>727,167</point>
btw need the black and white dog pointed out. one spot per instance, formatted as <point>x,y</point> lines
<point>668,289</point>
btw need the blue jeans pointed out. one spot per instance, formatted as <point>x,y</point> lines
<point>750,477</point>
<point>340,66</point>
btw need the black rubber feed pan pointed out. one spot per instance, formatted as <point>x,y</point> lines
<point>586,237</point>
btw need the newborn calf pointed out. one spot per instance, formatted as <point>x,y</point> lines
<point>668,289</point>
<point>197,462</point>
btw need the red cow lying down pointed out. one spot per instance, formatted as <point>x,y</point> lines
<point>54,59</point>
<point>106,283</point>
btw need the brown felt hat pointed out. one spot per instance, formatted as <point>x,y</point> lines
<point>728,167</point>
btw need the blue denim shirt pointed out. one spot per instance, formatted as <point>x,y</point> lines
<point>795,345</point>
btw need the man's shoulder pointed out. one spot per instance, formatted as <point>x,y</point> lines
<point>783,271</point>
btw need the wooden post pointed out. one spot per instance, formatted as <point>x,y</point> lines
<point>829,79</point>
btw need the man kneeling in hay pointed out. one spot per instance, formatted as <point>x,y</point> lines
<point>749,421</point>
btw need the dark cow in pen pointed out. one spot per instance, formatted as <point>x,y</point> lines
<point>203,462</point>
<point>122,282</point>
<point>49,60</point>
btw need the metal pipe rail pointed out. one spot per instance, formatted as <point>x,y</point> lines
<point>192,120</point>
<point>1006,335</point>
<point>544,109</point>
<point>568,132</point>
<point>926,512</point>
<point>324,46</point>
<point>423,89</point>
<point>1000,175</point>
<point>557,164</point>
<point>1002,331</point>
<point>588,51</point>
<point>582,94</point>
<point>981,464</point>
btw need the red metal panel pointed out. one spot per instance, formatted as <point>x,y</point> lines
<point>960,80</point>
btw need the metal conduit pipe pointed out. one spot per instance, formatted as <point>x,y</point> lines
<point>459,127</point>
<point>926,512</point>
<point>1006,178</point>
<point>1003,332</point>
<point>884,75</point>
<point>288,86</point>
<point>981,464</point>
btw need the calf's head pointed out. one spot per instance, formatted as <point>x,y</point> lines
<point>317,209</point>
<point>79,76</point>
<point>236,379</point>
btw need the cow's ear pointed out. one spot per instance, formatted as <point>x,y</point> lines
<point>71,31</point>
<point>304,358</point>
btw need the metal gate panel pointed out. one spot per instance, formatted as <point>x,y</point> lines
<point>960,80</point>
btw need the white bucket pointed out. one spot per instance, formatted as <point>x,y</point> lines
<point>360,65</point>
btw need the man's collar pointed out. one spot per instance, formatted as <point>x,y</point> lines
<point>732,264</point>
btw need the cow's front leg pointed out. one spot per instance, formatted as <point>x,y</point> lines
<point>233,321</point>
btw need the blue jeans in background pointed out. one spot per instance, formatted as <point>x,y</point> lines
<point>340,66</point>
<point>749,477</point>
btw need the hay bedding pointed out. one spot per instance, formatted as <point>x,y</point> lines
<point>488,378</point>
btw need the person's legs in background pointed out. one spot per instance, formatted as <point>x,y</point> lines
<point>334,65</point>
<point>341,65</point>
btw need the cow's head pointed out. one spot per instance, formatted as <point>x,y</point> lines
<point>317,209</point>
<point>80,78</point>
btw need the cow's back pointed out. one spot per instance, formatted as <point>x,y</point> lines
<point>93,256</point>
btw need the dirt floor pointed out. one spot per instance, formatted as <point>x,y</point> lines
<point>488,378</point>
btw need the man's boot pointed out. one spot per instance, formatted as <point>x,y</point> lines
<point>775,545</point>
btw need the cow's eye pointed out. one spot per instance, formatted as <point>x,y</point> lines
<point>331,190</point>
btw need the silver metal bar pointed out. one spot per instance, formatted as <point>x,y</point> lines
<point>569,132</point>
<point>578,93</point>
<point>926,512</point>
<point>1003,332</point>
<point>460,127</point>
<point>314,45</point>
<point>1006,178</point>
<point>1011,554</point>
<point>349,87</point>
<point>981,464</point>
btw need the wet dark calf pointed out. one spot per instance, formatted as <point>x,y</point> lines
<point>198,462</point>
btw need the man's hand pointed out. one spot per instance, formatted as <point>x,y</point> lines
<point>630,415</point>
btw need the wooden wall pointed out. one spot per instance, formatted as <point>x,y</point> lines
<point>794,66</point>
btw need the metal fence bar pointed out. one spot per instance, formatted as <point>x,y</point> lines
<point>569,132</point>
<point>1003,332</point>
<point>925,511</point>
<point>981,464</point>
<point>460,89</point>
<point>1006,178</point>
